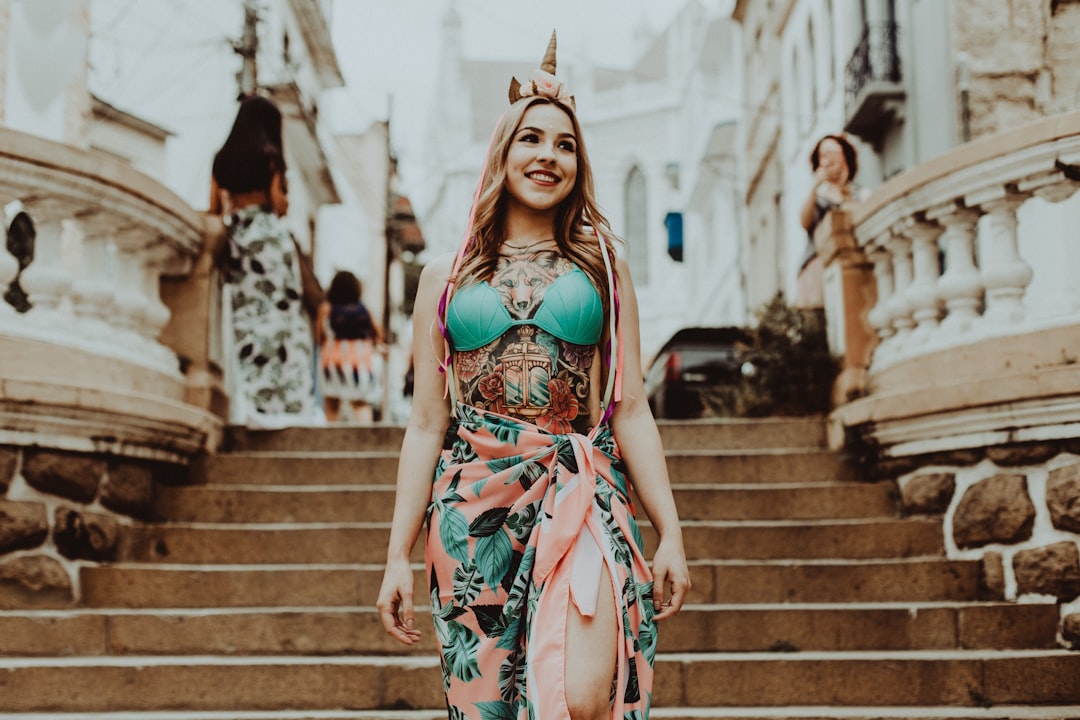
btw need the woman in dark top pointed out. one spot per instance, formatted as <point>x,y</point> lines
<point>348,337</point>
<point>271,344</point>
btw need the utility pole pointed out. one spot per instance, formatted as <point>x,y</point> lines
<point>247,48</point>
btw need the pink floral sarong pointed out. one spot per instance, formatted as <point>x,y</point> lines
<point>523,522</point>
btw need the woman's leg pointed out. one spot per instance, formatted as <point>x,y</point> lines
<point>331,405</point>
<point>363,414</point>
<point>591,654</point>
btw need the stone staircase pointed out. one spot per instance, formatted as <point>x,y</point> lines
<point>812,598</point>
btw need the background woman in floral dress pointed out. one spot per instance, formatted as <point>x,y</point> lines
<point>271,344</point>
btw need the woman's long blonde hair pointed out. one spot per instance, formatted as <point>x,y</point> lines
<point>576,217</point>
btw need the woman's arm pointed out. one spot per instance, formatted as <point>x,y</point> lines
<point>279,197</point>
<point>320,323</point>
<point>639,442</point>
<point>808,213</point>
<point>216,206</point>
<point>420,450</point>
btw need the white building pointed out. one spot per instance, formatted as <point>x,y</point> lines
<point>661,139</point>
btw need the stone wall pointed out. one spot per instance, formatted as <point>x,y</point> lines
<point>1015,508</point>
<point>1023,59</point>
<point>60,510</point>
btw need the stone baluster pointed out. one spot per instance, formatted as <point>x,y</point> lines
<point>46,280</point>
<point>156,314</point>
<point>880,316</point>
<point>137,305</point>
<point>1063,295</point>
<point>94,288</point>
<point>959,286</point>
<point>1003,272</point>
<point>9,270</point>
<point>899,305</point>
<point>923,295</point>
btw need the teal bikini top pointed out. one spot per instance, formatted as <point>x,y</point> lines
<point>571,310</point>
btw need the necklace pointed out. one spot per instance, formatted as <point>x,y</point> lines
<point>522,249</point>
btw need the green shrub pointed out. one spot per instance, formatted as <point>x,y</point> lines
<point>793,370</point>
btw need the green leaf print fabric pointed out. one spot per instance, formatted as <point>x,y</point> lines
<point>510,503</point>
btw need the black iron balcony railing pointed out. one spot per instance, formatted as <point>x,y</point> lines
<point>874,93</point>
<point>875,59</point>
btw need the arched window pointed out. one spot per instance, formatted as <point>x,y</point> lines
<point>636,214</point>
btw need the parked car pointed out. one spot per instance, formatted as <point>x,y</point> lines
<point>697,373</point>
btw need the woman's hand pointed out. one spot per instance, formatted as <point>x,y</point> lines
<point>395,603</point>
<point>669,571</point>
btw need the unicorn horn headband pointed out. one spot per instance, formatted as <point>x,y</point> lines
<point>542,82</point>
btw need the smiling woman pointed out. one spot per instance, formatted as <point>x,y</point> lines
<point>543,603</point>
<point>541,165</point>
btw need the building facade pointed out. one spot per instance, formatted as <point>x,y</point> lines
<point>948,289</point>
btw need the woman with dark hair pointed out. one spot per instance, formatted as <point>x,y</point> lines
<point>529,414</point>
<point>834,162</point>
<point>271,346</point>
<point>348,339</point>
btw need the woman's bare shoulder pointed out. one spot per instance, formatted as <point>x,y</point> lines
<point>435,274</point>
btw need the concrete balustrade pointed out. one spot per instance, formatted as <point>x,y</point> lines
<point>976,314</point>
<point>86,368</point>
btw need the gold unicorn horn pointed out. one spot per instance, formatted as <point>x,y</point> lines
<point>548,63</point>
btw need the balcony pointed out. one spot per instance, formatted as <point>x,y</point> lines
<point>963,332</point>
<point>99,362</point>
<point>874,94</point>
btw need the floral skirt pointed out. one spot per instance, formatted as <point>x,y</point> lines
<point>523,522</point>
<point>272,344</point>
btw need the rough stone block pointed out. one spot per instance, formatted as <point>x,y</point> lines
<point>34,581</point>
<point>1063,497</point>
<point>929,494</point>
<point>75,477</point>
<point>1070,629</point>
<point>1022,453</point>
<point>997,509</point>
<point>9,457</point>
<point>22,525</point>
<point>1051,570</point>
<point>1008,39</point>
<point>85,536</point>
<point>992,577</point>
<point>129,489</point>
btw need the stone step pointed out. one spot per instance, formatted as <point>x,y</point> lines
<point>228,543</point>
<point>257,586</point>
<point>380,467</point>
<point>375,503</point>
<point>331,438</point>
<point>734,680</point>
<point>698,628</point>
<point>806,432</point>
<point>1000,712</point>
<point>743,434</point>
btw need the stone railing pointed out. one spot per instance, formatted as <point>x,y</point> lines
<point>974,307</point>
<point>106,389</point>
<point>951,294</point>
<point>84,369</point>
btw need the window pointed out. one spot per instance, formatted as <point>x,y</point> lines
<point>637,237</point>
